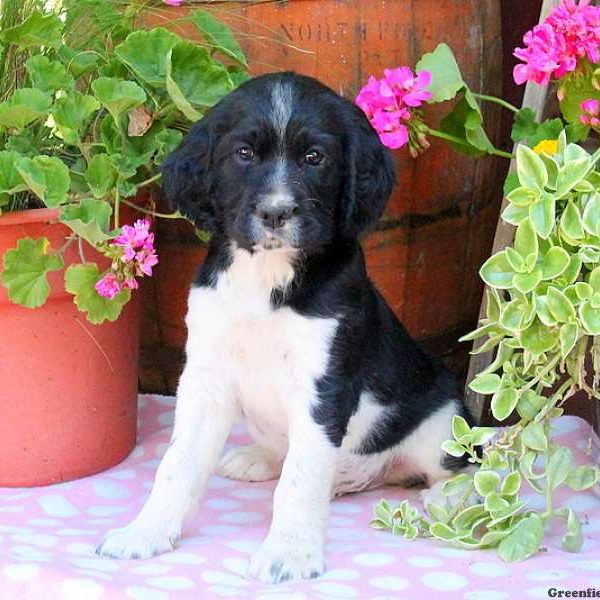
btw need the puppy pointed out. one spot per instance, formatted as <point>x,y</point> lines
<point>286,330</point>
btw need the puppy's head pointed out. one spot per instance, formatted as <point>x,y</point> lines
<point>282,161</point>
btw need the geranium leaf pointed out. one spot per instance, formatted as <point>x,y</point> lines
<point>37,30</point>
<point>218,35</point>
<point>80,281</point>
<point>10,179</point>
<point>90,219</point>
<point>446,79</point>
<point>25,271</point>
<point>47,177</point>
<point>118,96</point>
<point>47,75</point>
<point>145,51</point>
<point>25,106</point>
<point>72,112</point>
<point>101,175</point>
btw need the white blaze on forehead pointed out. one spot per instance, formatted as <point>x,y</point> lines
<point>281,99</point>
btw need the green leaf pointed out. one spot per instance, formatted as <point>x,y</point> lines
<point>10,179</point>
<point>513,315</point>
<point>201,80</point>
<point>511,483</point>
<point>497,272</point>
<point>166,141</point>
<point>542,215</point>
<point>90,219</point>
<point>442,531</point>
<point>523,541</point>
<point>569,333</point>
<point>594,279</point>
<point>78,62</point>
<point>591,215</point>
<point>437,513</point>
<point>446,79</point>
<point>514,215</point>
<point>531,169</point>
<point>570,274</point>
<point>118,96</point>
<point>590,318</point>
<point>570,221</point>
<point>37,30</point>
<point>525,282</point>
<point>486,482</point>
<point>526,241</point>
<point>25,106</point>
<point>534,437</point>
<point>72,112</point>
<point>559,466</point>
<point>548,130</point>
<point>25,271</point>
<point>523,196</point>
<point>101,175</point>
<point>525,125</point>
<point>573,91</point>
<point>538,338</point>
<point>465,123</point>
<point>482,435</point>
<point>530,404</point>
<point>582,477</point>
<point>456,485</point>
<point>504,402</point>
<point>571,174</point>
<point>146,51</point>
<point>486,383</point>
<point>510,183</point>
<point>47,177</point>
<point>460,427</point>
<point>47,75</point>
<point>218,35</point>
<point>452,448</point>
<point>560,306</point>
<point>573,538</point>
<point>555,262</point>
<point>80,281</point>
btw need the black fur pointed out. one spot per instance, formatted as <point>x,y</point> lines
<point>335,202</point>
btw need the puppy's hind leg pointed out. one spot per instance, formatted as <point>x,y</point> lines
<point>203,417</point>
<point>250,463</point>
<point>421,450</point>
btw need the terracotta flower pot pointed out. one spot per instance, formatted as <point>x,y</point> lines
<point>438,228</point>
<point>68,388</point>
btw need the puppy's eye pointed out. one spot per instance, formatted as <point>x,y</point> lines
<point>313,158</point>
<point>245,153</point>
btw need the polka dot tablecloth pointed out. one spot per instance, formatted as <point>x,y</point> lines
<point>48,536</point>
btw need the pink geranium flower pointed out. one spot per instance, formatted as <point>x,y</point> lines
<point>388,101</point>
<point>108,286</point>
<point>591,112</point>
<point>552,49</point>
<point>133,255</point>
<point>173,2</point>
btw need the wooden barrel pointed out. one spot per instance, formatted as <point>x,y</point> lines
<point>439,224</point>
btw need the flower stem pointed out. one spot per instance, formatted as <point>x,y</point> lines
<point>175,215</point>
<point>451,138</point>
<point>495,100</point>
<point>149,180</point>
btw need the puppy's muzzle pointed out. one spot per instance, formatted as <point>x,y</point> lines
<point>274,216</point>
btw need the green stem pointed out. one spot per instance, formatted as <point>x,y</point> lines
<point>175,215</point>
<point>495,100</point>
<point>456,140</point>
<point>117,205</point>
<point>150,180</point>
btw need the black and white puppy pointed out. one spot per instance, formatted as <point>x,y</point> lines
<point>286,330</point>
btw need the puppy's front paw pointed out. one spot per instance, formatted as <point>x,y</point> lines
<point>138,540</point>
<point>281,559</point>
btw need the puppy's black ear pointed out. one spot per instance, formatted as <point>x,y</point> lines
<point>370,176</point>
<point>185,177</point>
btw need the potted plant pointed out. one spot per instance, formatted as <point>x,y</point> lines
<point>90,105</point>
<point>543,289</point>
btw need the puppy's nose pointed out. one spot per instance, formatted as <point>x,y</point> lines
<point>274,217</point>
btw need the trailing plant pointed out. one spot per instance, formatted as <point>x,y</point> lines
<point>94,103</point>
<point>543,290</point>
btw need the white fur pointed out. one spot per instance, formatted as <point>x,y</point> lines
<point>246,359</point>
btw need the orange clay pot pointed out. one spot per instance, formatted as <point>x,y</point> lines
<point>68,388</point>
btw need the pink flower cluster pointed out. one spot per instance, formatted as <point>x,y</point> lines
<point>387,102</point>
<point>137,256</point>
<point>591,112</point>
<point>553,48</point>
<point>173,2</point>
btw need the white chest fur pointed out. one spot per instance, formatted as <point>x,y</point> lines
<point>269,358</point>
